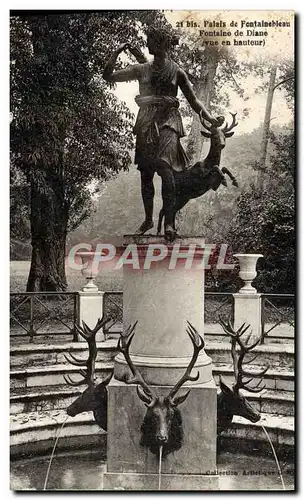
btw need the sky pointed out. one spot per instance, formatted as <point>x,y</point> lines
<point>279,43</point>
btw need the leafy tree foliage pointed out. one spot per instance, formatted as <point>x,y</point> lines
<point>19,216</point>
<point>68,131</point>
<point>67,128</point>
<point>213,70</point>
<point>264,222</point>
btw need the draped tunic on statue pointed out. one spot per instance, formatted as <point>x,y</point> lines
<point>159,126</point>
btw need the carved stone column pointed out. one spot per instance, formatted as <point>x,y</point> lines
<point>162,299</point>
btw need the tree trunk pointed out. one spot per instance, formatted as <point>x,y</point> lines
<point>266,125</point>
<point>49,217</point>
<point>49,211</point>
<point>203,90</point>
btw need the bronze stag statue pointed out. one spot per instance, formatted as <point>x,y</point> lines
<point>203,175</point>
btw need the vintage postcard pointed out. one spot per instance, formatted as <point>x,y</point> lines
<point>152,240</point>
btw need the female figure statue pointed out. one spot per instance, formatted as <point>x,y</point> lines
<point>158,126</point>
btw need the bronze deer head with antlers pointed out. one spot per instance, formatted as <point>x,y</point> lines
<point>162,424</point>
<point>217,134</point>
<point>230,402</point>
<point>94,398</point>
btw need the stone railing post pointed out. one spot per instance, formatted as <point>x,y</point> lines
<point>247,302</point>
<point>90,309</point>
<point>90,299</point>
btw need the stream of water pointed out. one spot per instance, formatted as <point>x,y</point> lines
<point>159,467</point>
<point>52,454</point>
<point>275,457</point>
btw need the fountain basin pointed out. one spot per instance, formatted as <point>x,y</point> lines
<point>85,470</point>
<point>33,435</point>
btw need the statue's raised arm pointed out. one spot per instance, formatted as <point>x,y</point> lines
<point>195,103</point>
<point>132,72</point>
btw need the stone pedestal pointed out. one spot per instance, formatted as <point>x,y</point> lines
<point>247,309</point>
<point>198,452</point>
<point>161,297</point>
<point>131,466</point>
<point>90,309</point>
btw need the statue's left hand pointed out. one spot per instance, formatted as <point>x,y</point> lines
<point>215,122</point>
<point>218,121</point>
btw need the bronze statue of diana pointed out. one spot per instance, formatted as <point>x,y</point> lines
<point>158,126</point>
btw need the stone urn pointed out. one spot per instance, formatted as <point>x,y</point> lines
<point>248,272</point>
<point>89,271</point>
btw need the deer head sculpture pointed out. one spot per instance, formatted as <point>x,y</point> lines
<point>94,398</point>
<point>162,424</point>
<point>230,401</point>
<point>218,135</point>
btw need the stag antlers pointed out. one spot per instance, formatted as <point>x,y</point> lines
<point>238,359</point>
<point>225,129</point>
<point>198,345</point>
<point>233,124</point>
<point>144,392</point>
<point>90,336</point>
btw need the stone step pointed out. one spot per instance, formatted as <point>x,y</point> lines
<point>33,433</point>
<point>279,427</point>
<point>25,400</point>
<point>274,402</point>
<point>274,340</point>
<point>278,378</point>
<point>31,355</point>
<point>49,375</point>
<point>27,355</point>
<point>31,399</point>
<point>52,375</point>
<point>275,355</point>
<point>282,333</point>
